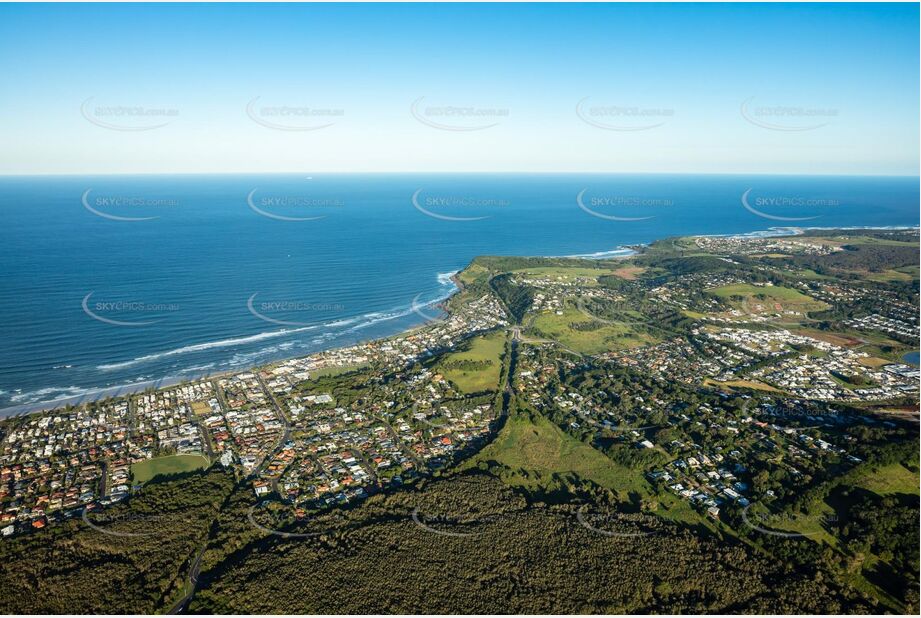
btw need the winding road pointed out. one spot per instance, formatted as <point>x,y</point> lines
<point>194,571</point>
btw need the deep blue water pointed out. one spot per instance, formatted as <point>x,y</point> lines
<point>199,251</point>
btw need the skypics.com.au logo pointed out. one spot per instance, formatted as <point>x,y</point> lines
<point>457,118</point>
<point>129,118</point>
<point>293,117</point>
<point>780,207</point>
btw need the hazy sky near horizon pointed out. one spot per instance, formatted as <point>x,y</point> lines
<point>709,88</point>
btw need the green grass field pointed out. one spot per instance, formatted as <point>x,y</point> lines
<point>883,480</point>
<point>473,272</point>
<point>807,273</point>
<point>892,275</point>
<point>171,464</point>
<point>776,292</point>
<point>563,273</point>
<point>891,479</point>
<point>538,450</point>
<point>859,240</point>
<point>810,525</point>
<point>484,348</point>
<point>541,449</point>
<point>741,384</point>
<point>609,336</point>
<point>768,297</point>
<point>327,372</point>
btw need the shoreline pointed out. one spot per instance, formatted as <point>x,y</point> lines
<point>619,253</point>
<point>133,388</point>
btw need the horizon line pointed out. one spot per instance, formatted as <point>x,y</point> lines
<point>455,172</point>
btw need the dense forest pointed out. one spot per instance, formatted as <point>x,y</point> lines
<point>501,554</point>
<point>464,542</point>
<point>134,561</point>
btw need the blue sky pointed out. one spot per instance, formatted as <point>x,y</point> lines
<point>704,88</point>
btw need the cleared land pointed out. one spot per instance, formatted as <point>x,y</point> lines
<point>890,275</point>
<point>767,299</point>
<point>477,368</point>
<point>578,331</point>
<point>829,337</point>
<point>537,449</point>
<point>840,241</point>
<point>742,384</point>
<point>326,372</point>
<point>891,479</point>
<point>537,454</point>
<point>629,273</point>
<point>588,276</point>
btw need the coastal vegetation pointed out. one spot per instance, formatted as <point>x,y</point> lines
<point>619,436</point>
<point>508,555</point>
<point>134,558</point>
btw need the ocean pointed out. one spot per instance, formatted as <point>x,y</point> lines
<point>119,282</point>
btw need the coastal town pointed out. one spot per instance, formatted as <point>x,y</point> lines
<point>283,439</point>
<point>463,309</point>
<point>802,366</point>
<point>335,427</point>
<point>722,451</point>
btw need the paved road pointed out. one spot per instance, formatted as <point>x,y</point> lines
<point>194,571</point>
<point>207,437</point>
<point>104,481</point>
<point>220,396</point>
<point>509,390</point>
<point>285,436</point>
<point>420,465</point>
<point>132,417</point>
